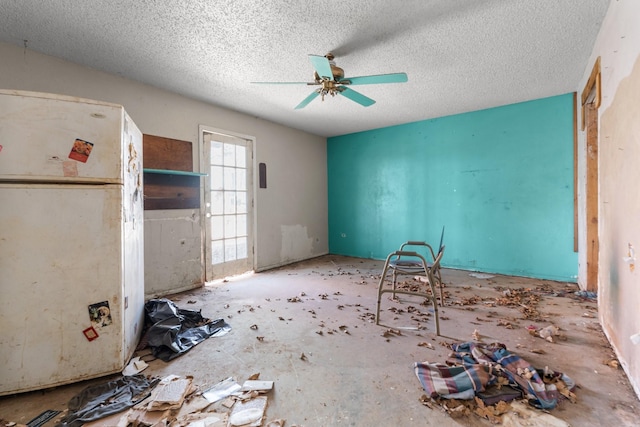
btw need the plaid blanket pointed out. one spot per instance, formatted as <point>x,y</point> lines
<point>439,379</point>
<point>473,366</point>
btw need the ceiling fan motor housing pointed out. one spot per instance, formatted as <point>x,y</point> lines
<point>338,74</point>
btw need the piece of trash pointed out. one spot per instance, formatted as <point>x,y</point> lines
<point>476,335</point>
<point>172,331</point>
<point>254,377</point>
<point>294,299</point>
<point>248,413</point>
<point>228,402</point>
<point>221,390</point>
<point>254,327</point>
<point>538,351</point>
<point>425,344</point>
<point>549,332</point>
<point>170,393</point>
<point>208,419</point>
<point>191,301</point>
<point>587,294</point>
<point>261,339</point>
<point>319,332</point>
<point>135,366</point>
<point>303,357</point>
<point>521,414</point>
<point>244,417</point>
<point>40,419</point>
<point>481,275</point>
<point>259,385</point>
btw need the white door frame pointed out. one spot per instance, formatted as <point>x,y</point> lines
<point>251,219</point>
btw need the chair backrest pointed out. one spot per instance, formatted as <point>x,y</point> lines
<point>441,247</point>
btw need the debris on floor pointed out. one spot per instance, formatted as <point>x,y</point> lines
<point>481,378</point>
<point>250,412</point>
<point>520,415</point>
<point>482,275</point>
<point>172,331</point>
<point>221,390</point>
<point>135,366</point>
<point>548,333</point>
<point>176,402</point>
<point>38,421</point>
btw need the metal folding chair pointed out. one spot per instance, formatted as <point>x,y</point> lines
<point>415,264</point>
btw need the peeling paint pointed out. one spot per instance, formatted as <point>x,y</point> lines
<point>296,243</point>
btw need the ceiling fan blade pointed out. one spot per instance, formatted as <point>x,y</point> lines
<point>283,83</point>
<point>379,78</point>
<point>356,96</point>
<point>307,100</point>
<point>322,66</point>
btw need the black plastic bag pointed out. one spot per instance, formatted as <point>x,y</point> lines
<point>98,401</point>
<point>172,331</point>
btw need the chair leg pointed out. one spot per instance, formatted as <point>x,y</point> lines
<point>380,285</point>
<point>440,285</point>
<point>394,283</point>
<point>435,314</point>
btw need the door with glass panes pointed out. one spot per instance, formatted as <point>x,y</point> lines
<point>228,204</point>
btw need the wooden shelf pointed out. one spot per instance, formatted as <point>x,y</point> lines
<point>173,172</point>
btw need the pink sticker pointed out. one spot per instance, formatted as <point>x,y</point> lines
<point>81,150</point>
<point>69,168</point>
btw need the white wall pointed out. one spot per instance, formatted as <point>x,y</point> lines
<point>291,213</point>
<point>618,45</point>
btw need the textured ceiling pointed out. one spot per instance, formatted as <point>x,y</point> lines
<point>460,55</point>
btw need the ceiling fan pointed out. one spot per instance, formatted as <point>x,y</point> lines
<point>331,80</point>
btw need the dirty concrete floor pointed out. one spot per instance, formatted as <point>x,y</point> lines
<point>352,375</point>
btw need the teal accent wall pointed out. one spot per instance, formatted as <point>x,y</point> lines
<point>500,180</point>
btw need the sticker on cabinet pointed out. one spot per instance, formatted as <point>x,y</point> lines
<point>100,314</point>
<point>81,150</point>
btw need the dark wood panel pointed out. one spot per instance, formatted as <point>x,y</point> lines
<point>171,191</point>
<point>167,153</point>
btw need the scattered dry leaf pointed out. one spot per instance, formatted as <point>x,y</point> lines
<point>303,357</point>
<point>612,363</point>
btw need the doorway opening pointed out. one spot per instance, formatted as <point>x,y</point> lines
<point>591,97</point>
